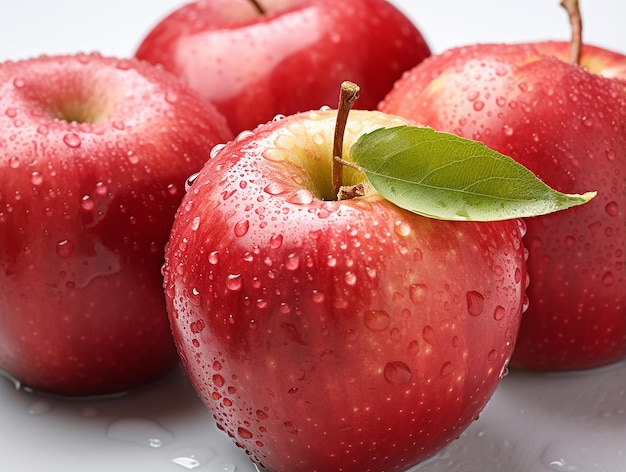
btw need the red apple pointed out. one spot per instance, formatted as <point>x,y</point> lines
<point>567,124</point>
<point>94,154</point>
<point>323,335</point>
<point>292,57</point>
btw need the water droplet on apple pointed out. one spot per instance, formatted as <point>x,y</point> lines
<point>36,178</point>
<point>11,112</point>
<point>608,279</point>
<point>234,282</point>
<point>274,188</point>
<point>402,228</point>
<point>492,355</point>
<point>478,105</point>
<point>610,154</point>
<point>241,228</point>
<point>473,95</point>
<point>350,278</point>
<point>301,197</point>
<point>218,380</point>
<point>290,427</point>
<point>195,223</point>
<point>417,293</point>
<point>65,248</point>
<point>19,82</point>
<point>278,117</point>
<point>475,303</point>
<point>397,373</point>
<point>376,320</point>
<point>446,369</point>
<point>14,162</point>
<point>331,261</point>
<point>292,262</point>
<point>244,135</point>
<point>216,150</point>
<point>507,130</point>
<point>276,241</point>
<point>612,208</point>
<point>189,182</point>
<point>87,203</point>
<point>499,313</point>
<point>72,140</point>
<point>214,257</point>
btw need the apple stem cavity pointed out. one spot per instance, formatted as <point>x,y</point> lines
<point>347,96</point>
<point>573,10</point>
<point>258,6</point>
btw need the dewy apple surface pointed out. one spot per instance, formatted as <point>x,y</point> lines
<point>564,422</point>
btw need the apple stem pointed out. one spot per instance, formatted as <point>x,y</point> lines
<point>258,6</point>
<point>576,44</point>
<point>347,96</point>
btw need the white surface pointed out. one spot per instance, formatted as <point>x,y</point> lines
<point>573,422</point>
<point>566,423</point>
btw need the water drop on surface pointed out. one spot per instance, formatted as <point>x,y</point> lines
<point>14,162</point>
<point>39,407</point>
<point>65,248</point>
<point>417,293</point>
<point>192,458</point>
<point>376,320</point>
<point>475,303</point>
<point>72,140</point>
<point>234,282</point>
<point>216,150</point>
<point>612,209</point>
<point>292,262</point>
<point>241,228</point>
<point>446,369</point>
<point>36,178</point>
<point>87,203</point>
<point>189,182</point>
<point>140,431</point>
<point>397,373</point>
<point>499,313</point>
<point>301,197</point>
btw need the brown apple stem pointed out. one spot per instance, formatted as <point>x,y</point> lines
<point>349,93</point>
<point>258,6</point>
<point>576,44</point>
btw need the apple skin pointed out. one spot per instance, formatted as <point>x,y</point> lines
<point>568,125</point>
<point>335,335</point>
<point>85,211</point>
<point>291,59</point>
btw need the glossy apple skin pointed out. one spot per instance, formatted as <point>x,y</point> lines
<point>85,211</point>
<point>327,335</point>
<point>291,59</point>
<point>568,125</point>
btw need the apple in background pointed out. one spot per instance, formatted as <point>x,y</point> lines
<point>94,155</point>
<point>328,335</point>
<point>290,57</point>
<point>567,124</point>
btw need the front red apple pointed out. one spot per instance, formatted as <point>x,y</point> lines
<point>94,154</point>
<point>290,58</point>
<point>335,335</point>
<point>568,125</point>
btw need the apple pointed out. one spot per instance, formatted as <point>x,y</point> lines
<point>328,334</point>
<point>283,56</point>
<point>94,155</point>
<point>566,123</point>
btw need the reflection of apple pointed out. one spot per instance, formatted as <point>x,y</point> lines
<point>568,125</point>
<point>330,335</point>
<point>94,153</point>
<point>291,58</point>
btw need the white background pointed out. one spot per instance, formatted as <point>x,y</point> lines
<point>534,423</point>
<point>116,27</point>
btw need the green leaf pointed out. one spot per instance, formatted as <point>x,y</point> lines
<point>443,176</point>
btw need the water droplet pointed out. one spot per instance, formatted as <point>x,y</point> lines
<point>195,223</point>
<point>473,95</point>
<point>446,369</point>
<point>274,188</point>
<point>612,209</point>
<point>214,257</point>
<point>87,203</point>
<point>301,197</point>
<point>11,112</point>
<point>290,427</point>
<point>608,279</point>
<point>197,326</point>
<point>216,150</point>
<point>241,228</point>
<point>376,320</point>
<point>72,140</point>
<point>402,228</point>
<point>475,303</point>
<point>189,182</point>
<point>218,380</point>
<point>492,355</point>
<point>140,431</point>
<point>479,105</point>
<point>14,162</point>
<point>417,293</point>
<point>279,117</point>
<point>292,262</point>
<point>234,282</point>
<point>350,278</point>
<point>65,248</point>
<point>507,130</point>
<point>499,313</point>
<point>36,178</point>
<point>397,373</point>
<point>193,458</point>
<point>317,296</point>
